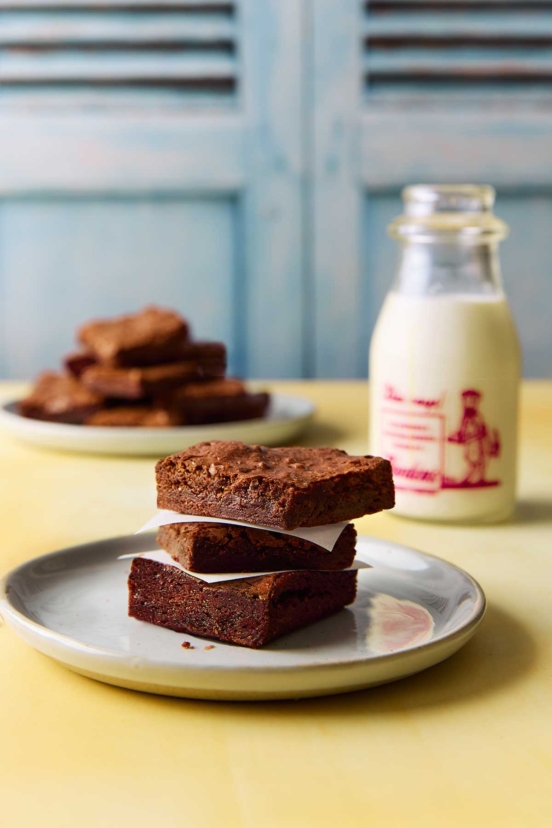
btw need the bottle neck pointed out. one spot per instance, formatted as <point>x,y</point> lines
<point>441,268</point>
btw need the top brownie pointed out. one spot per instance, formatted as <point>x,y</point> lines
<point>148,337</point>
<point>279,487</point>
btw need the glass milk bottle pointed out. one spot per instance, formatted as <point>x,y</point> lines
<point>445,361</point>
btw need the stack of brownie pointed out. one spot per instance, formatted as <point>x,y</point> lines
<point>142,370</point>
<point>280,490</point>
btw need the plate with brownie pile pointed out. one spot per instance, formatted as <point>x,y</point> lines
<point>255,586</point>
<point>139,384</point>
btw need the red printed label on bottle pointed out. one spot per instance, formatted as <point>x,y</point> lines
<point>425,454</point>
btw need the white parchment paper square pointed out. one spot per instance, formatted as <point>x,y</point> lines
<point>324,536</point>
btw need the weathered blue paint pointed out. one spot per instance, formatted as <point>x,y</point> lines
<point>212,195</point>
<point>368,146</point>
<point>273,198</point>
<point>41,28</point>
<point>449,24</point>
<point>64,261</point>
<point>258,208</point>
<point>116,66</point>
<point>336,188</point>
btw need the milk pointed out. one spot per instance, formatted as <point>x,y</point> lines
<point>444,374</point>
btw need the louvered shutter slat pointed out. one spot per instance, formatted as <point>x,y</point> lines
<point>117,66</point>
<point>106,5</point>
<point>441,23</point>
<point>423,44</point>
<point>180,47</point>
<point>75,28</point>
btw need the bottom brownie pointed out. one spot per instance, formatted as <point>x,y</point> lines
<point>218,401</point>
<point>59,398</point>
<point>247,611</point>
<point>133,417</point>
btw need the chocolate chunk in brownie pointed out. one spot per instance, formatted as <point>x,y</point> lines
<point>77,363</point>
<point>129,416</point>
<point>220,547</point>
<point>60,398</point>
<point>218,401</point>
<point>248,611</point>
<point>151,336</point>
<point>280,487</point>
<point>154,380</point>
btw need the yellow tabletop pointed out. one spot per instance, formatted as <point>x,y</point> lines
<point>467,743</point>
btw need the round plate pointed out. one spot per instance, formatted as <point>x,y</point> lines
<point>286,419</point>
<point>411,611</point>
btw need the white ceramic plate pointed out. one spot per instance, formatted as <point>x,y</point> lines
<point>412,611</point>
<point>286,419</point>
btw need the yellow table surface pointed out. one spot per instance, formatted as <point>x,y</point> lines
<point>466,743</point>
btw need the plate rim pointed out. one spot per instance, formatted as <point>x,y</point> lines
<point>466,630</point>
<point>46,426</point>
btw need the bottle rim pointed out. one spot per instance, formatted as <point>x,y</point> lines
<point>448,213</point>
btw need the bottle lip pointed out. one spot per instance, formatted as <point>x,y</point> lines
<point>427,199</point>
<point>448,213</point>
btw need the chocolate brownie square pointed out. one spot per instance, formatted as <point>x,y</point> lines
<point>198,351</point>
<point>218,401</point>
<point>130,416</point>
<point>280,487</point>
<point>77,363</point>
<point>151,336</point>
<point>248,611</point>
<point>220,547</point>
<point>60,398</point>
<point>151,381</point>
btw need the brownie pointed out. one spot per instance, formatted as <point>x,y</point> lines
<point>151,336</point>
<point>200,351</point>
<point>60,398</point>
<point>279,487</point>
<point>130,416</point>
<point>217,401</point>
<point>227,409</point>
<point>153,380</point>
<point>77,363</point>
<point>220,547</point>
<point>247,611</point>
<point>219,388</point>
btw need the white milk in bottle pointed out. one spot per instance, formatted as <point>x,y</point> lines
<point>445,362</point>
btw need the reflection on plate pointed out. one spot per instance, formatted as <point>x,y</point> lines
<point>397,624</point>
<point>287,418</point>
<point>411,611</point>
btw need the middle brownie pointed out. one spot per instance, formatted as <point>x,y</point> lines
<point>219,547</point>
<point>139,383</point>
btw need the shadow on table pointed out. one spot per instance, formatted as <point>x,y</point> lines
<point>501,653</point>
<point>321,434</point>
<point>532,510</point>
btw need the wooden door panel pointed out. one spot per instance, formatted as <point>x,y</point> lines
<point>418,92</point>
<point>68,260</point>
<point>153,152</point>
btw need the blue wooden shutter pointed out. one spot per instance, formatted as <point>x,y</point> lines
<point>427,90</point>
<point>151,152</point>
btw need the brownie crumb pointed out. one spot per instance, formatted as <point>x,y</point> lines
<point>187,646</point>
<point>209,647</point>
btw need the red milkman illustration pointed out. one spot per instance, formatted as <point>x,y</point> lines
<point>480,444</point>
